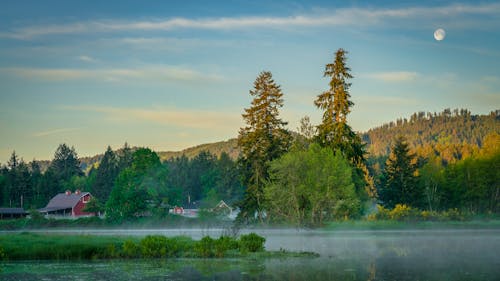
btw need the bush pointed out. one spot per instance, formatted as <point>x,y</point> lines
<point>131,249</point>
<point>3,256</point>
<point>154,246</point>
<point>453,214</point>
<point>403,212</point>
<point>205,247</point>
<point>224,244</point>
<point>251,243</point>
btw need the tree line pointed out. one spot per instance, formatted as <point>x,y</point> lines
<point>320,173</point>
<point>126,183</point>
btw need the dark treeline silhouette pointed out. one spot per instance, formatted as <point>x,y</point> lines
<point>204,179</point>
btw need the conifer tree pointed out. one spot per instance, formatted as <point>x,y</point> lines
<point>263,139</point>
<point>334,131</point>
<point>400,182</point>
<point>106,174</point>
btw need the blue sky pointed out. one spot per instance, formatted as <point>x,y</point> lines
<point>173,74</point>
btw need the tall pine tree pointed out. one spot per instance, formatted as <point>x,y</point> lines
<point>263,139</point>
<point>334,131</point>
<point>64,166</point>
<point>105,176</point>
<point>399,181</point>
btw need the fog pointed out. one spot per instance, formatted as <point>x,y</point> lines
<point>344,255</point>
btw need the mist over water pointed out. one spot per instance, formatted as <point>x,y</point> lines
<point>344,255</point>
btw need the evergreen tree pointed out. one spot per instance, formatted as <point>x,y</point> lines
<point>36,184</point>
<point>65,166</point>
<point>105,175</point>
<point>125,157</point>
<point>334,132</point>
<point>17,187</point>
<point>400,182</point>
<point>261,140</point>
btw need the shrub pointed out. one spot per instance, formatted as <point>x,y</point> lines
<point>453,214</point>
<point>403,212</point>
<point>154,246</point>
<point>205,247</point>
<point>3,256</point>
<point>251,243</point>
<point>224,244</point>
<point>130,249</point>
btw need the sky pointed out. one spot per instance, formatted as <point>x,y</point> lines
<point>173,74</point>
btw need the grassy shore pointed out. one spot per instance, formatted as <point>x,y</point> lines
<point>96,222</point>
<point>29,246</point>
<point>401,225</point>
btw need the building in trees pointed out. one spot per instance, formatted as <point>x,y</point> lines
<point>68,204</point>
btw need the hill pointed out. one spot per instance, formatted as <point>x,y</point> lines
<point>451,135</point>
<point>230,147</point>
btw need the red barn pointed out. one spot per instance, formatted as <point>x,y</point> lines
<point>68,205</point>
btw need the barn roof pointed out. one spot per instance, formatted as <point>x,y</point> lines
<point>63,201</point>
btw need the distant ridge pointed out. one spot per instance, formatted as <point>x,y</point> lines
<point>230,147</point>
<point>423,130</point>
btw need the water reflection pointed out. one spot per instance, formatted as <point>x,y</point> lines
<point>348,255</point>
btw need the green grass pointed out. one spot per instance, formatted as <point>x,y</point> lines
<point>392,224</point>
<point>30,246</point>
<point>167,221</point>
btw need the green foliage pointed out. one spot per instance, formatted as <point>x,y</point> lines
<point>263,139</point>
<point>334,132</point>
<point>406,213</point>
<point>310,187</point>
<point>154,246</point>
<point>223,245</point>
<point>206,178</point>
<point>65,166</point>
<point>451,135</point>
<point>94,206</point>
<point>131,249</point>
<point>400,185</point>
<point>28,246</point>
<point>3,256</point>
<point>105,175</point>
<point>205,247</point>
<point>140,188</point>
<point>251,243</point>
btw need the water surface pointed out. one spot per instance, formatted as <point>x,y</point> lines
<point>344,255</point>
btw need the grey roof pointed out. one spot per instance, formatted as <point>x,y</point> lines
<point>63,201</point>
<point>12,211</point>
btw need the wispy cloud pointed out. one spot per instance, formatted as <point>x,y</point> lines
<point>386,101</point>
<point>54,132</point>
<point>185,118</point>
<point>394,76</point>
<point>338,17</point>
<point>87,59</point>
<point>161,73</point>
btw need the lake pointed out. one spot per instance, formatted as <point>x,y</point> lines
<point>344,255</point>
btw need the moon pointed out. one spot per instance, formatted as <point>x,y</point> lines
<point>439,34</point>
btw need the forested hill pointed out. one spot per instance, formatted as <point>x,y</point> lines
<point>230,147</point>
<point>449,134</point>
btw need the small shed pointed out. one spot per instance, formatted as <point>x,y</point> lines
<point>12,213</point>
<point>68,204</point>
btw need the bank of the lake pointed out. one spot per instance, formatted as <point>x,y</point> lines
<point>33,246</point>
<point>345,255</point>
